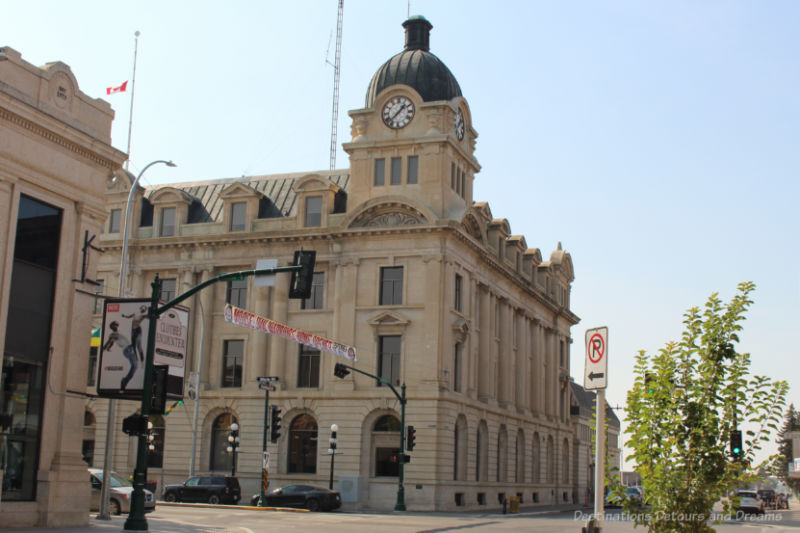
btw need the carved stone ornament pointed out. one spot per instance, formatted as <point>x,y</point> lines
<point>392,218</point>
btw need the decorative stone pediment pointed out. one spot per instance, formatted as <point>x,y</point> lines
<point>472,225</point>
<point>392,214</point>
<point>238,190</point>
<point>168,195</point>
<point>388,323</point>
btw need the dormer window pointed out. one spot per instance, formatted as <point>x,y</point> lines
<point>238,213</point>
<point>167,228</point>
<point>313,211</point>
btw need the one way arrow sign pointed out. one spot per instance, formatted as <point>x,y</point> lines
<point>596,375</point>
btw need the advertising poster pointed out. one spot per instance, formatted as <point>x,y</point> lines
<point>124,341</point>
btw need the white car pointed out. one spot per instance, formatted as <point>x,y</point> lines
<point>748,501</point>
<point>119,494</point>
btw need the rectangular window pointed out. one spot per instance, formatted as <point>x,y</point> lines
<point>457,303</point>
<point>389,358</point>
<point>453,176</point>
<point>458,181</point>
<point>237,293</point>
<point>317,290</point>
<point>313,211</point>
<point>392,286</point>
<point>397,171</point>
<point>167,222</point>
<point>413,168</point>
<point>98,302</point>
<point>115,221</point>
<point>463,184</point>
<point>380,172</point>
<point>168,288</point>
<point>561,353</point>
<point>232,353</point>
<point>238,212</point>
<point>308,367</point>
<point>457,364</point>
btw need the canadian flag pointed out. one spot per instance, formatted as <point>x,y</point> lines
<point>119,89</point>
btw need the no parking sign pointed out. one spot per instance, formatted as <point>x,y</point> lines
<point>596,372</point>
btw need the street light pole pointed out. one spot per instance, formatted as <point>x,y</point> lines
<point>112,403</point>
<point>332,451</point>
<point>233,446</point>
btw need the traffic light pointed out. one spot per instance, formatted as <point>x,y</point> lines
<point>405,456</point>
<point>300,284</point>
<point>736,445</point>
<point>275,424</point>
<point>135,424</point>
<point>172,407</point>
<point>411,437</point>
<point>340,370</point>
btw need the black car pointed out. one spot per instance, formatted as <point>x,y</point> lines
<point>306,496</point>
<point>211,489</point>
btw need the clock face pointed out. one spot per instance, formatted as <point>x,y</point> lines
<point>398,112</point>
<point>459,124</point>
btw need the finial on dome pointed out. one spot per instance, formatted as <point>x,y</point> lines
<point>418,33</point>
<point>559,245</point>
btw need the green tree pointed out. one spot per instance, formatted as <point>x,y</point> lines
<point>791,422</point>
<point>684,404</point>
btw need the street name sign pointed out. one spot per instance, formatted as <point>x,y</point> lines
<point>596,369</point>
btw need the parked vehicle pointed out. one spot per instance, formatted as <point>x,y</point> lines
<point>120,492</point>
<point>633,494</point>
<point>749,502</point>
<point>211,489</point>
<point>305,496</point>
<point>768,496</point>
<point>782,501</point>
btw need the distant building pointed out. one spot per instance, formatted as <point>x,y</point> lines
<point>433,289</point>
<point>583,419</point>
<point>55,159</point>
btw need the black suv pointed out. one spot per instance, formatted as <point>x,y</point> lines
<point>211,489</point>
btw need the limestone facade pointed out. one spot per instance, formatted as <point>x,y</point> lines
<point>55,157</point>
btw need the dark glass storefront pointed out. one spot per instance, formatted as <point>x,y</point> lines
<point>27,345</point>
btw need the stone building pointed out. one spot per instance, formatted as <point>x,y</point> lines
<point>55,158</point>
<point>433,289</point>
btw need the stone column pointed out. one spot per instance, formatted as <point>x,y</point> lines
<point>485,363</point>
<point>278,346</point>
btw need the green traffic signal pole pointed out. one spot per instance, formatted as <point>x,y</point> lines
<point>136,520</point>
<point>401,493</point>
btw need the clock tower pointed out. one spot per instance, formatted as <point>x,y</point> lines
<point>413,141</point>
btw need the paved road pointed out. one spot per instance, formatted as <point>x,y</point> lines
<point>221,519</point>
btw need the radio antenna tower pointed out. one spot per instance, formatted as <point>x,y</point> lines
<point>336,65</point>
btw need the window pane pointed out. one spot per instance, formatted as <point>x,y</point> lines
<point>380,172</point>
<point>315,301</point>
<point>302,456</point>
<point>237,293</point>
<point>396,171</point>
<point>314,211</point>
<point>457,368</point>
<point>452,176</point>
<point>167,222</point>
<point>413,164</point>
<point>458,293</point>
<point>232,363</point>
<point>115,221</point>
<point>391,286</point>
<point>238,211</point>
<point>389,358</point>
<point>308,368</point>
<point>168,289</point>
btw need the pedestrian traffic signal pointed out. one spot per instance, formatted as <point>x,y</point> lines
<point>275,424</point>
<point>411,437</point>
<point>135,424</point>
<point>405,456</point>
<point>340,370</point>
<point>300,284</point>
<point>736,445</point>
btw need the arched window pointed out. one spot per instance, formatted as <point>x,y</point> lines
<point>302,445</point>
<point>460,449</point>
<point>502,454</point>
<point>87,449</point>
<point>386,443</point>
<point>519,460</point>
<point>535,460</point>
<point>220,459</point>
<point>551,460</point>
<point>482,455</point>
<point>565,462</point>
<point>155,457</point>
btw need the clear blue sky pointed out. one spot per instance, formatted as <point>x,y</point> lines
<point>659,142</point>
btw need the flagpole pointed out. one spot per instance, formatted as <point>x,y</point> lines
<point>133,90</point>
